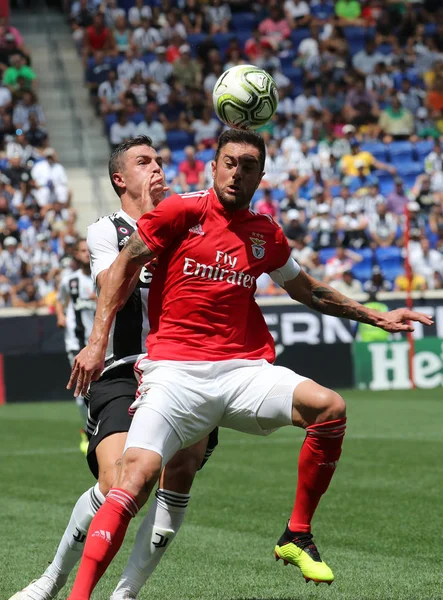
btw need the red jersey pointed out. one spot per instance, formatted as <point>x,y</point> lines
<point>201,301</point>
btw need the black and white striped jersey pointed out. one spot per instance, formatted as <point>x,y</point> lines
<point>106,238</point>
<point>77,294</point>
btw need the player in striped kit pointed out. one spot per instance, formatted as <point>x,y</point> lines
<point>133,166</point>
<point>75,310</point>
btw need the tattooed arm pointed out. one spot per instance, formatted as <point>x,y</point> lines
<point>113,295</point>
<point>321,297</point>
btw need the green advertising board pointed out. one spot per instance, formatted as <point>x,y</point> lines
<point>385,365</point>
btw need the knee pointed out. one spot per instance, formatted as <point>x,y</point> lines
<point>332,405</point>
<point>137,475</point>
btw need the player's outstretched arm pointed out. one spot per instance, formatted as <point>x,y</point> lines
<point>325,299</point>
<point>114,292</point>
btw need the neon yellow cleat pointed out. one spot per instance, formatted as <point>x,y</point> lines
<point>84,442</point>
<point>299,550</point>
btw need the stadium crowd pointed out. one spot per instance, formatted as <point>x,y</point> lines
<point>356,137</point>
<point>37,223</point>
<point>354,145</point>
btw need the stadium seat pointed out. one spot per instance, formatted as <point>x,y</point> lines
<point>385,49</point>
<point>178,156</point>
<point>390,261</point>
<point>149,57</point>
<point>391,273</point>
<point>410,168</point>
<point>297,35</point>
<point>362,271</point>
<point>137,118</point>
<point>194,39</point>
<point>378,149</point>
<point>206,155</point>
<point>358,33</point>
<point>295,74</point>
<point>423,148</point>
<point>243,21</point>
<point>356,45</point>
<point>177,139</point>
<point>326,253</point>
<point>110,120</point>
<point>401,151</point>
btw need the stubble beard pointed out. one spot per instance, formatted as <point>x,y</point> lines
<point>235,204</point>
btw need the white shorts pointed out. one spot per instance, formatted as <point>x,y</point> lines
<point>192,398</point>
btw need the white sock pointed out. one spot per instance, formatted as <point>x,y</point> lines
<point>72,543</point>
<point>154,536</point>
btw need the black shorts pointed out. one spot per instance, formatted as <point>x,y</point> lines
<point>108,401</point>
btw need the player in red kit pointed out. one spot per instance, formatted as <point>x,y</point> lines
<point>211,249</point>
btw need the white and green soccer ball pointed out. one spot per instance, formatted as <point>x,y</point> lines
<point>245,97</point>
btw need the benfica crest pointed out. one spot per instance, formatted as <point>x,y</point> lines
<point>258,249</point>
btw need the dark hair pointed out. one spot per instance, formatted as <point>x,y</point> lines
<point>78,242</point>
<point>242,136</point>
<point>115,160</point>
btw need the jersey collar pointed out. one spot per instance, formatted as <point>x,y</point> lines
<point>127,218</point>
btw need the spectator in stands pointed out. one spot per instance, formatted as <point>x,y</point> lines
<point>5,294</point>
<point>109,93</point>
<point>218,16</point>
<point>112,12</point>
<point>423,193</point>
<point>315,267</point>
<point>303,102</point>
<point>296,232</point>
<point>348,12</point>
<point>397,199</point>
<point>121,130</point>
<point>343,261</point>
<point>193,17</point>
<point>191,172</point>
<point>418,283</point>
<point>297,13</point>
<point>206,130</point>
<point>347,285</point>
<point>160,70</point>
<point>36,135</point>
<point>434,84</point>
<point>12,261</point>
<point>379,82</point>
<point>97,72</point>
<point>172,25</point>
<point>186,70</point>
<point>173,113</point>
<point>17,174</point>
<point>25,295</point>
<point>396,122</point>
<point>19,146</point>
<point>354,224</point>
<point>41,257</point>
<point>410,97</point>
<point>127,69</point>
<point>382,227</point>
<point>357,156</point>
<point>152,127</point>
<point>98,37</point>
<point>170,168</point>
<point>426,261</point>
<point>50,180</point>
<point>322,11</point>
<point>268,205</point>
<point>276,167</point>
<point>146,37</point>
<point>362,181</point>
<point>322,228</point>
<point>136,12</point>
<point>5,96</point>
<point>425,127</point>
<point>434,160</point>
<point>274,29</point>
<point>19,68</point>
<point>25,107</point>
<point>377,283</point>
<point>122,34</point>
<point>365,60</point>
<point>361,107</point>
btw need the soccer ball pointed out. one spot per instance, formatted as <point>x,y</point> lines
<point>245,97</point>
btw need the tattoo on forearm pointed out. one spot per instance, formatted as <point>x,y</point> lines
<point>137,249</point>
<point>328,301</point>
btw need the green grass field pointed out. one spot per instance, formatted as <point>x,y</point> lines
<point>379,526</point>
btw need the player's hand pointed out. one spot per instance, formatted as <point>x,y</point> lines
<point>61,322</point>
<point>154,190</point>
<point>400,320</point>
<point>87,367</point>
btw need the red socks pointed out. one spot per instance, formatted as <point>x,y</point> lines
<point>316,465</point>
<point>105,536</point>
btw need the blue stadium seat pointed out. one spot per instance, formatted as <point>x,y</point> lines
<point>222,40</point>
<point>391,273</point>
<point>177,139</point>
<point>295,74</point>
<point>243,37</point>
<point>243,21</point>
<point>287,59</point>
<point>358,33</point>
<point>390,260</point>
<point>178,156</point>
<point>409,168</point>
<point>206,155</point>
<point>326,253</point>
<point>194,39</point>
<point>149,57</point>
<point>423,148</point>
<point>385,48</point>
<point>408,181</point>
<point>137,118</point>
<point>297,35</point>
<point>401,151</point>
<point>362,271</point>
<point>378,149</point>
<point>356,45</point>
<point>110,120</point>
